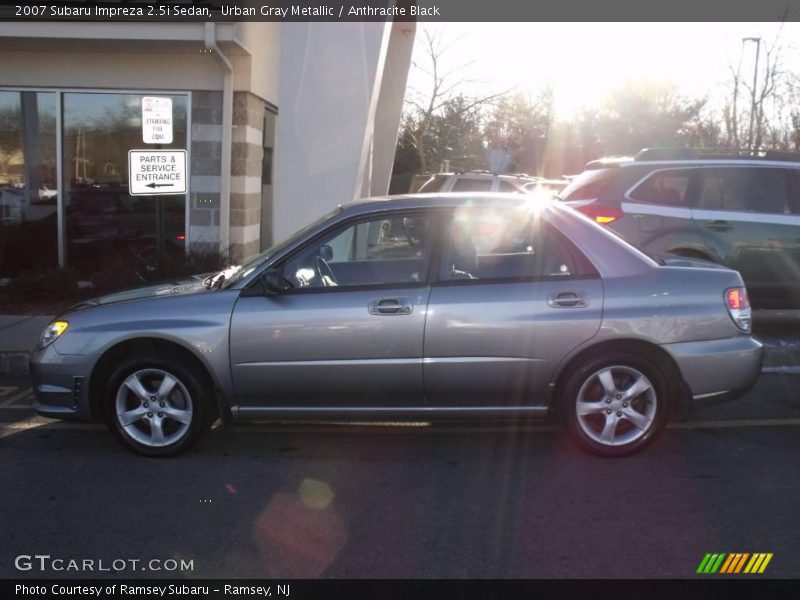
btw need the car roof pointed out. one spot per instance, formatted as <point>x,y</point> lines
<point>486,175</point>
<point>438,199</point>
<point>693,157</point>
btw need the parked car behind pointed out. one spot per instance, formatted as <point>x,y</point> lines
<point>739,211</point>
<point>475,181</point>
<point>542,186</point>
<point>423,307</point>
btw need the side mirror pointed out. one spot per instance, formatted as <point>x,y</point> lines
<point>326,252</point>
<point>272,282</point>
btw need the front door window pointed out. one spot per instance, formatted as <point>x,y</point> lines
<point>390,250</point>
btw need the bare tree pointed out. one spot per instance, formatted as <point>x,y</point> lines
<point>760,123</point>
<point>767,91</point>
<point>445,85</point>
<point>730,112</point>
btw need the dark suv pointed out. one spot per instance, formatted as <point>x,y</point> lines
<point>740,211</point>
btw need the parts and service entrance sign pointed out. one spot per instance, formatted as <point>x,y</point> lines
<point>156,172</point>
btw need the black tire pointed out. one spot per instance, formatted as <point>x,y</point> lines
<point>585,384</point>
<point>189,400</point>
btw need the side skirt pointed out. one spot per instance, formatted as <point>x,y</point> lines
<point>423,413</point>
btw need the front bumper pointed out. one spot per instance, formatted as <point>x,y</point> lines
<point>718,369</point>
<point>60,384</point>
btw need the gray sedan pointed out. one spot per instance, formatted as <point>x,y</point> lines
<point>414,307</point>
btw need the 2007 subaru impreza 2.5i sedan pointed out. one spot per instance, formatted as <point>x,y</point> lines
<point>414,307</point>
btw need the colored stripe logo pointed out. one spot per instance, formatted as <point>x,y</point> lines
<point>734,563</point>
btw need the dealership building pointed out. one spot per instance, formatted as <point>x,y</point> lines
<point>262,127</point>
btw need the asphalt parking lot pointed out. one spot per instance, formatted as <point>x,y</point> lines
<point>414,500</point>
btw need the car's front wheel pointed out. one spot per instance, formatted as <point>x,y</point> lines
<point>615,404</point>
<point>155,405</point>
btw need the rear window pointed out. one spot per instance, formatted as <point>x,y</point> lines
<point>434,184</point>
<point>589,184</point>
<point>470,184</point>
<point>505,186</point>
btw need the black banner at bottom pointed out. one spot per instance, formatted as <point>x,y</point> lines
<point>388,589</point>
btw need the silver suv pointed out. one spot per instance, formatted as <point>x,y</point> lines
<point>422,307</point>
<point>739,211</point>
<point>475,181</point>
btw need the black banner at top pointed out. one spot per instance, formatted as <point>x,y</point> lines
<point>401,10</point>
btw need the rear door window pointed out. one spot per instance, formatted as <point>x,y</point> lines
<point>434,184</point>
<point>669,188</point>
<point>761,190</point>
<point>511,244</point>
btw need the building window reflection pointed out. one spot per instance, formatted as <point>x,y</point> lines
<point>28,189</point>
<point>101,218</point>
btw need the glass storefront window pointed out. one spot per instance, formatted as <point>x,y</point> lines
<point>28,192</point>
<point>101,218</point>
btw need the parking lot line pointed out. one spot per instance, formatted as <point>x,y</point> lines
<point>15,397</point>
<point>735,423</point>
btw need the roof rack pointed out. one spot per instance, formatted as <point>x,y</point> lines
<point>713,153</point>
<point>492,173</point>
<point>474,172</point>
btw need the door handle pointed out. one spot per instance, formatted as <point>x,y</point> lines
<point>390,306</point>
<point>567,300</point>
<point>719,225</point>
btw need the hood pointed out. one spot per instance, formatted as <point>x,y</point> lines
<point>191,285</point>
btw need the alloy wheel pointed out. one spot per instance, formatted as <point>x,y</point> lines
<point>616,405</point>
<point>154,408</point>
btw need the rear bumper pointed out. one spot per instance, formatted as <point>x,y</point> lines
<point>716,370</point>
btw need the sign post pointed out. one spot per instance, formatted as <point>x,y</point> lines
<point>156,172</point>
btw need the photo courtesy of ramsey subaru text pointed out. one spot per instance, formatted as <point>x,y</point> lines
<point>430,307</point>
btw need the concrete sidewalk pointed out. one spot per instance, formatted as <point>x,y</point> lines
<point>19,334</point>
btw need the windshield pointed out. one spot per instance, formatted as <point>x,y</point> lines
<point>238,272</point>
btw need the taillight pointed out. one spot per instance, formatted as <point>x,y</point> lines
<point>601,214</point>
<point>738,305</point>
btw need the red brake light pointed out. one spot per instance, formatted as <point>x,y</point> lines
<point>180,237</point>
<point>601,214</point>
<point>738,305</point>
<point>737,298</point>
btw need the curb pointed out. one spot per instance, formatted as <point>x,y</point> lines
<point>781,356</point>
<point>14,363</point>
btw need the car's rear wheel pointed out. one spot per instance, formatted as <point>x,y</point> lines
<point>155,405</point>
<point>615,404</point>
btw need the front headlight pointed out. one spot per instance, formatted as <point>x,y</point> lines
<point>49,335</point>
